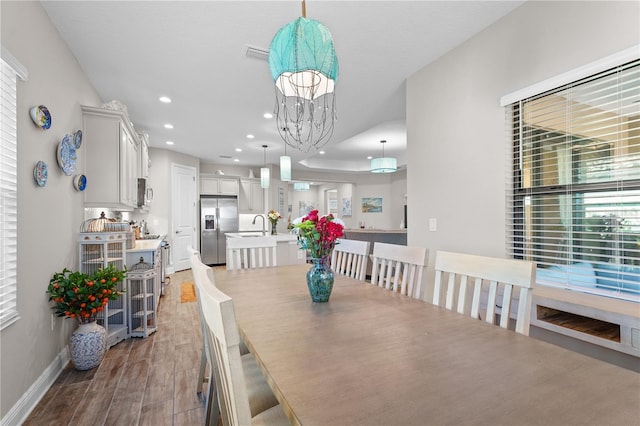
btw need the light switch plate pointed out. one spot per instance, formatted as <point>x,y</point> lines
<point>432,224</point>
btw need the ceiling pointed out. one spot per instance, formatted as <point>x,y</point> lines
<point>195,53</point>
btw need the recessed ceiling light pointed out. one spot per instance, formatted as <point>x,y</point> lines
<point>236,160</point>
<point>369,157</point>
<point>321,152</point>
<point>250,136</point>
<point>169,142</point>
<point>168,126</point>
<point>238,149</point>
<point>165,99</point>
<point>268,115</point>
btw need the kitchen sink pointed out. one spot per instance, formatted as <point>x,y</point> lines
<point>149,237</point>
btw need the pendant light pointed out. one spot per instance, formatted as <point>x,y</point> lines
<point>285,166</point>
<point>384,164</point>
<point>264,171</point>
<point>304,68</point>
<point>301,186</point>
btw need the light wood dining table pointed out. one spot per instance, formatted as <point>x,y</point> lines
<point>372,357</point>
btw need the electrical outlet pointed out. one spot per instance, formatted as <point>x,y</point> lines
<point>53,322</point>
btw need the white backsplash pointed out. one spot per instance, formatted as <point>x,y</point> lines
<point>245,222</point>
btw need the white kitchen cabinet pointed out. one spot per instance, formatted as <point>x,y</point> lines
<point>251,197</point>
<point>99,250</point>
<point>111,155</point>
<point>143,155</point>
<point>213,185</point>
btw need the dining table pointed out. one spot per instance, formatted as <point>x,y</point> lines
<point>370,356</point>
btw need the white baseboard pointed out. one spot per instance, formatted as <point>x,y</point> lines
<point>21,409</point>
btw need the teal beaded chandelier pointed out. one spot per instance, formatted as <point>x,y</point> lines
<point>304,67</point>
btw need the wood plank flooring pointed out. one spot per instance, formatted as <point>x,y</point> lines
<point>148,381</point>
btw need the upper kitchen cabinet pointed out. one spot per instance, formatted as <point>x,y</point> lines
<point>251,198</point>
<point>215,185</point>
<point>143,153</point>
<point>112,159</point>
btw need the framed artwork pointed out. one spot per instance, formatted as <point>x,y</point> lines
<point>305,207</point>
<point>372,205</point>
<point>281,199</point>
<point>346,206</point>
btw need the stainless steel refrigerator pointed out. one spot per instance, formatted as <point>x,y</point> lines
<point>218,215</point>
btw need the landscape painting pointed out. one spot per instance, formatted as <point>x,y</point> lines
<point>372,205</point>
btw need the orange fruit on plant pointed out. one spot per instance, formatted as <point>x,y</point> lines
<point>103,281</point>
<point>114,279</point>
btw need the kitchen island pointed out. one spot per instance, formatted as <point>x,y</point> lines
<point>287,251</point>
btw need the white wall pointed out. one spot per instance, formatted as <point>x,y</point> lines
<point>457,133</point>
<point>49,218</point>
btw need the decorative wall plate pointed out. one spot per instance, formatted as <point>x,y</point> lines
<point>80,182</point>
<point>41,173</point>
<point>67,155</point>
<point>77,138</point>
<point>41,116</point>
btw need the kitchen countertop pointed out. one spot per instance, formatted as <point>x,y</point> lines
<point>146,245</point>
<point>253,234</point>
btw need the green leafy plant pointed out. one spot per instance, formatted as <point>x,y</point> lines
<point>81,296</point>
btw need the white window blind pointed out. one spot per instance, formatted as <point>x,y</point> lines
<point>575,195</point>
<point>8,196</point>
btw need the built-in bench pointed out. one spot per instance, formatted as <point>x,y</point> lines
<point>604,321</point>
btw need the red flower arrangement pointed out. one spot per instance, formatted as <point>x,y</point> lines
<point>318,234</point>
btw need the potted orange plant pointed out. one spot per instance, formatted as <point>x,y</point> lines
<point>82,297</point>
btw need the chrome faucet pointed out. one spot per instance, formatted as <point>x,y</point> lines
<point>264,227</point>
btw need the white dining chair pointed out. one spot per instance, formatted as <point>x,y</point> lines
<point>502,276</point>
<point>199,271</point>
<point>350,258</point>
<point>399,268</point>
<point>251,252</point>
<point>244,396</point>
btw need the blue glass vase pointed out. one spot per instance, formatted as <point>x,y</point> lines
<point>320,280</point>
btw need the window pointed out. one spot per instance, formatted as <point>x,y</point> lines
<point>8,189</point>
<point>575,196</point>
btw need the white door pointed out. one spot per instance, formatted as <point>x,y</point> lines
<point>184,210</point>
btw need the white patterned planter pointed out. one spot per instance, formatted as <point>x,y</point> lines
<point>88,345</point>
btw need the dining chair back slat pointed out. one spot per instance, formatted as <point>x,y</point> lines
<point>202,276</point>
<point>244,397</point>
<point>502,275</point>
<point>350,258</point>
<point>399,268</point>
<point>251,252</point>
<point>223,334</point>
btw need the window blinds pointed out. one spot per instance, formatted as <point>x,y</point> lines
<point>574,201</point>
<point>8,196</point>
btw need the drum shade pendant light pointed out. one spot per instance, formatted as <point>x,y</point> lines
<point>285,166</point>
<point>301,186</point>
<point>304,67</point>
<point>384,164</point>
<point>264,171</point>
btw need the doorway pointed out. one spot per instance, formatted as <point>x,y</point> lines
<point>183,218</point>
